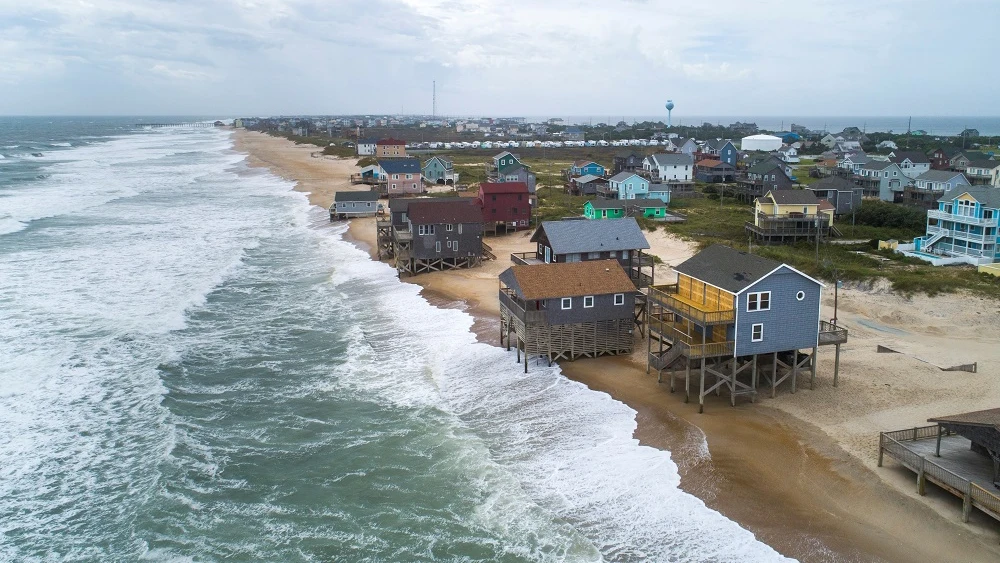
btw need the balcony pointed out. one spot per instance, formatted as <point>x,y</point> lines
<point>516,307</point>
<point>670,297</point>
<point>691,345</point>
<point>831,334</point>
<point>964,219</point>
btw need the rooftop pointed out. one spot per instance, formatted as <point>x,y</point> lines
<point>568,279</point>
<point>727,268</point>
<point>793,197</point>
<point>504,187</point>
<point>356,196</point>
<point>400,165</point>
<point>444,212</point>
<point>986,195</point>
<point>571,237</point>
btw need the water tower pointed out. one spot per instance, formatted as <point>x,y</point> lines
<point>670,107</point>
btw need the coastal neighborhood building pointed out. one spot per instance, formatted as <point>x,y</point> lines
<point>440,235</point>
<point>354,204</point>
<point>586,167</point>
<point>627,185</point>
<point>732,317</point>
<point>940,158</point>
<point>766,175</point>
<point>618,208</point>
<point>882,179</point>
<point>983,172</point>
<point>788,216</point>
<point>853,162</point>
<point>506,204</point>
<point>723,150</point>
<point>627,161</point>
<point>766,143</point>
<point>714,171</point>
<point>587,185</point>
<point>963,227</point>
<point>390,148</point>
<point>843,194</point>
<point>928,187</point>
<point>440,170</point>
<point>676,168</point>
<point>401,176</point>
<point>684,145</point>
<point>507,167</point>
<point>912,163</point>
<point>961,159</point>
<point>366,147</point>
<point>567,310</point>
<point>578,240</point>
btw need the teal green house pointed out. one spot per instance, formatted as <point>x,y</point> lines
<point>618,208</point>
<point>604,209</point>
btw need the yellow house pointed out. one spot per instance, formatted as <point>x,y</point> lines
<point>788,215</point>
<point>791,204</point>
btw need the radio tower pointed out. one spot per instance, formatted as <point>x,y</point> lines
<point>434,98</point>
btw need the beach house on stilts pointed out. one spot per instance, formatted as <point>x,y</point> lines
<point>567,310</point>
<point>439,235</point>
<point>732,316</point>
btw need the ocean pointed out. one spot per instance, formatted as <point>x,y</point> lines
<point>195,366</point>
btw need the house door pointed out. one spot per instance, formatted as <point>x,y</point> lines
<point>548,255</point>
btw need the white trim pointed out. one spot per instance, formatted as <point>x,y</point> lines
<point>759,295</point>
<point>800,295</point>
<point>765,276</point>
<point>585,298</point>
<point>562,303</point>
<point>619,297</point>
<point>753,327</point>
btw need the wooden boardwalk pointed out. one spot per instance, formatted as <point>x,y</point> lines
<point>959,470</point>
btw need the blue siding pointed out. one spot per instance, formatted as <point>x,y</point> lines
<point>789,324</point>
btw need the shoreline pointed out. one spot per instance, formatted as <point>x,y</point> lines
<point>787,480</point>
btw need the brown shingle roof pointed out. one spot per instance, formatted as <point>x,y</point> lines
<point>504,187</point>
<point>571,279</point>
<point>444,212</point>
<point>390,141</point>
<point>709,163</point>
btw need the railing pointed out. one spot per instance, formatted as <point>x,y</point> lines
<point>695,349</point>
<point>521,258</point>
<point>892,443</point>
<point>516,309</point>
<point>964,219</point>
<point>403,235</point>
<point>831,334</point>
<point>662,294</point>
<point>779,229</point>
<point>985,500</point>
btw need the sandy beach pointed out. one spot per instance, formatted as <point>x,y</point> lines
<point>799,471</point>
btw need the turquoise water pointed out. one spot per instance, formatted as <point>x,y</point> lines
<point>197,367</point>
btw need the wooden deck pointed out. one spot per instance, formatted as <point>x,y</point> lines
<point>959,470</point>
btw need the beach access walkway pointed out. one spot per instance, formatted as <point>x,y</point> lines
<point>947,460</point>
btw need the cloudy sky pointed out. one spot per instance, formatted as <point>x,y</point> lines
<point>510,57</point>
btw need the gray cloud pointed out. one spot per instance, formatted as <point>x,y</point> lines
<point>566,57</point>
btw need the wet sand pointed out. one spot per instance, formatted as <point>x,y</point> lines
<point>809,489</point>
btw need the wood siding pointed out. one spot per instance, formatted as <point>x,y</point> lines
<point>789,324</point>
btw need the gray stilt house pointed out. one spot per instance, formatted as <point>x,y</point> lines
<point>580,240</point>
<point>733,316</point>
<point>567,310</point>
<point>354,204</point>
<point>440,235</point>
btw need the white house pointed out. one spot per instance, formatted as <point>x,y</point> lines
<point>912,163</point>
<point>887,144</point>
<point>670,167</point>
<point>789,154</point>
<point>366,147</point>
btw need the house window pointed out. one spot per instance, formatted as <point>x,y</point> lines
<point>588,302</point>
<point>757,332</point>
<point>395,176</point>
<point>394,186</point>
<point>449,227</point>
<point>800,296</point>
<point>619,299</point>
<point>593,255</point>
<point>567,303</point>
<point>760,301</point>
<point>437,246</point>
<point>409,176</point>
<point>425,229</point>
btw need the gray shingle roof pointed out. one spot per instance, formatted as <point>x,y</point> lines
<point>587,178</point>
<point>941,175</point>
<point>645,203</point>
<point>877,165</point>
<point>400,165</point>
<point>838,183</point>
<point>727,268</point>
<point>608,203</point>
<point>356,196</point>
<point>988,164</point>
<point>672,159</point>
<point>767,165</point>
<point>794,197</point>
<point>986,195</point>
<point>622,176</point>
<point>571,237</point>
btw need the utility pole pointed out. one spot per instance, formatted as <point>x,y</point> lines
<point>817,237</point>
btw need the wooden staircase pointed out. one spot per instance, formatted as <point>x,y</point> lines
<point>488,252</point>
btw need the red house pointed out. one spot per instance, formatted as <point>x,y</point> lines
<point>390,148</point>
<point>506,203</point>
